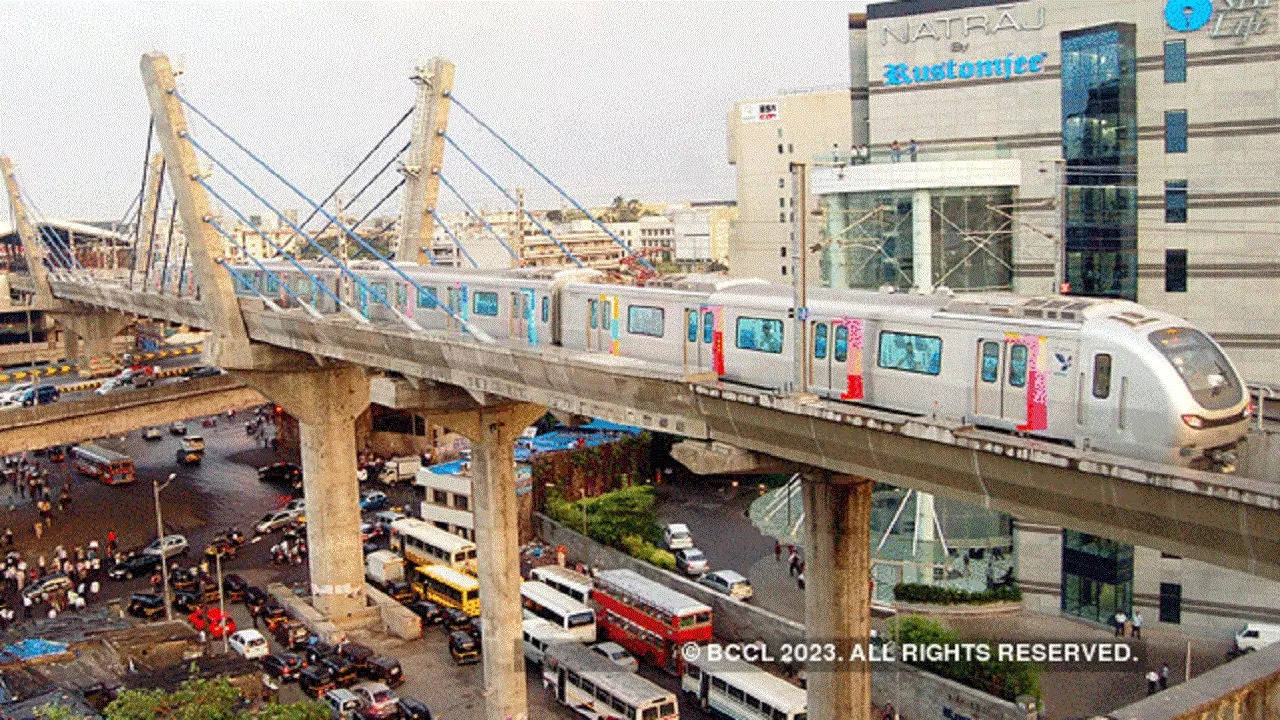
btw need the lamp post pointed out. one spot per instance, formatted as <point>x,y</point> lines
<point>222,606</point>
<point>164,560</point>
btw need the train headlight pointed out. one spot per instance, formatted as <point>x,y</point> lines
<point>1193,421</point>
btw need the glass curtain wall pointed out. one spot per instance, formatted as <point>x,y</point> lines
<point>869,238</point>
<point>973,239</point>
<point>1097,576</point>
<point>1100,145</point>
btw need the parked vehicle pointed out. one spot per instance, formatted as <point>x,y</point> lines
<point>13,395</point>
<point>383,568</point>
<point>343,704</point>
<point>373,500</point>
<point>200,371</point>
<point>212,621</point>
<point>281,472</point>
<point>617,654</point>
<point>411,709</point>
<point>691,561</point>
<point>376,700</point>
<point>274,521</point>
<point>177,427</point>
<point>152,433</point>
<point>187,601</point>
<point>167,546</point>
<point>147,606</point>
<point>400,469</point>
<point>358,654</point>
<point>384,669</point>
<point>316,680</point>
<point>291,634</point>
<point>234,587</point>
<point>677,537</point>
<point>344,672</point>
<point>283,667</point>
<point>134,566</point>
<point>42,395</point>
<point>57,453</point>
<point>1255,636</point>
<point>455,619</point>
<point>386,517</point>
<point>463,647</point>
<point>728,582</point>
<point>431,613</point>
<point>401,592</point>
<point>250,644</point>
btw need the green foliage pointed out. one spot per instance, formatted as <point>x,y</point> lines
<point>939,595</point>
<point>1004,679</point>
<point>56,711</point>
<point>639,548</point>
<point>199,699</point>
<point>623,519</point>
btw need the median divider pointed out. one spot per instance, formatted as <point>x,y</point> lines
<point>66,368</point>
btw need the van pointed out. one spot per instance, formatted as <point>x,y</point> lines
<point>384,567</point>
<point>343,704</point>
<point>677,536</point>
<point>1255,636</point>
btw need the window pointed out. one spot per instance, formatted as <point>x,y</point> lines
<point>782,217</point>
<point>842,343</point>
<point>782,183</point>
<point>1175,61</point>
<point>460,501</point>
<point>780,150</point>
<point>1175,270</point>
<point>911,353</point>
<point>644,320</point>
<point>1175,201</point>
<point>485,303</point>
<point>718,684</point>
<point>820,341</point>
<point>783,250</point>
<point>990,361</point>
<point>790,148</point>
<point>440,497</point>
<point>784,269</point>
<point>782,202</point>
<point>708,326</point>
<point>546,309</point>
<point>592,307</point>
<point>1018,366</point>
<point>1175,131</point>
<point>760,334</point>
<point>1102,376</point>
<point>693,325</point>
<point>1170,602</point>
<point>402,295</point>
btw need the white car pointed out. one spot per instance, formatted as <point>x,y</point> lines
<point>152,433</point>
<point>167,546</point>
<point>691,561</point>
<point>296,505</point>
<point>677,536</point>
<point>14,394</point>
<point>275,520</point>
<point>107,386</point>
<point>249,644</point>
<point>617,655</point>
<point>728,582</point>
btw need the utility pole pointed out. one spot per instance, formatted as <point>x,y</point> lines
<point>799,274</point>
<point>425,158</point>
<point>1060,247</point>
<point>164,560</point>
<point>222,604</point>
<point>517,242</point>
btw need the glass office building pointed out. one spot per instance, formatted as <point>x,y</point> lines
<point>1097,576</point>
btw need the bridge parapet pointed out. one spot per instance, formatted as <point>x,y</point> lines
<point>1247,688</point>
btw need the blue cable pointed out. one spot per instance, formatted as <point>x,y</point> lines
<point>515,202</point>
<point>244,280</point>
<point>359,240</point>
<point>284,285</point>
<point>245,220</point>
<point>377,295</point>
<point>472,210</point>
<point>456,241</point>
<point>552,183</point>
<point>53,256</point>
<point>48,237</point>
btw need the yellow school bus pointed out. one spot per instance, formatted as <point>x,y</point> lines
<point>448,587</point>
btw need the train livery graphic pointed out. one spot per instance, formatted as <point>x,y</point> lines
<point>1094,373</point>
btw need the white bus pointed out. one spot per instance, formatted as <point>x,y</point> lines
<point>565,581</point>
<point>741,691</point>
<point>539,635</point>
<point>598,688</point>
<point>541,601</point>
<point>421,543</point>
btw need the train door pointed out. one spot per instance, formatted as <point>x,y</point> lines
<point>605,325</point>
<point>519,323</point>
<point>592,329</point>
<point>988,396</point>
<point>457,304</point>
<point>711,344</point>
<point>1014,402</point>
<point>692,357</point>
<point>821,376</point>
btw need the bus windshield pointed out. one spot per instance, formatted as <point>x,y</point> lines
<point>1201,365</point>
<point>582,618</point>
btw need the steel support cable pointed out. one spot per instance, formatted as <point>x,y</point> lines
<point>456,241</point>
<point>315,280</point>
<point>360,164</point>
<point>146,163</point>
<point>151,241</point>
<point>479,334</point>
<point>168,244</point>
<point>279,280</point>
<point>549,181</point>
<point>378,204</point>
<point>512,199</point>
<point>477,215</point>
<point>248,284</point>
<point>64,255</point>
<point>367,185</point>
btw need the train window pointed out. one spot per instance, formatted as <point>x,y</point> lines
<point>990,361</point>
<point>910,353</point>
<point>273,283</point>
<point>546,309</point>
<point>645,320</point>
<point>693,325</point>
<point>1102,376</point>
<point>820,341</point>
<point>485,303</point>
<point>380,292</point>
<point>1018,366</point>
<point>708,326</point>
<point>402,295</point>
<point>427,297</point>
<point>842,343</point>
<point>593,307</point>
<point>760,334</point>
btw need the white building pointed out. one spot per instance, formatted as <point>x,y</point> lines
<point>446,502</point>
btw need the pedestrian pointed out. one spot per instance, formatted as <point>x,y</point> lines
<point>1120,619</point>
<point>793,564</point>
<point>1137,623</point>
<point>800,580</point>
<point>92,552</point>
<point>1153,682</point>
<point>1164,676</point>
<point>26,606</point>
<point>912,149</point>
<point>895,148</point>
<point>53,613</point>
<point>38,527</point>
<point>111,542</point>
<point>41,563</point>
<point>777,551</point>
<point>94,587</point>
<point>8,537</point>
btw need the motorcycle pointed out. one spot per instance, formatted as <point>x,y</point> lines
<point>209,422</point>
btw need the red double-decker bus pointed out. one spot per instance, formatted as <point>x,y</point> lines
<point>648,618</point>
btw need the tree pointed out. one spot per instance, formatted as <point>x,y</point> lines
<point>56,711</point>
<point>201,699</point>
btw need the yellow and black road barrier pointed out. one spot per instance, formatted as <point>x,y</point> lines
<point>68,368</point>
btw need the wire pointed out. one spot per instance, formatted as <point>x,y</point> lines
<point>478,216</point>
<point>373,179</point>
<point>146,163</point>
<point>360,164</point>
<point>456,241</point>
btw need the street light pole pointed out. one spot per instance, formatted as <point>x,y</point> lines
<point>164,560</point>
<point>222,606</point>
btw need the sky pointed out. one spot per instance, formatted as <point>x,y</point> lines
<point>607,98</point>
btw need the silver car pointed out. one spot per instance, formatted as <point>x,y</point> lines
<point>728,582</point>
<point>691,561</point>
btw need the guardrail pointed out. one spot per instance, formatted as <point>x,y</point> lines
<point>1263,392</point>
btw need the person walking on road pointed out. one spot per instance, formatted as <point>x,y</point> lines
<point>1153,682</point>
<point>1164,676</point>
<point>1137,623</point>
<point>777,551</point>
<point>1120,619</point>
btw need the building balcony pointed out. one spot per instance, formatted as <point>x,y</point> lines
<point>927,173</point>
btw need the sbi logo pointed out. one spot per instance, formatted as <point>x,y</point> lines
<point>1187,15</point>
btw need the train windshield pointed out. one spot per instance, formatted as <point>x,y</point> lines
<point>1201,365</point>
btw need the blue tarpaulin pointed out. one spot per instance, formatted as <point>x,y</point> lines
<point>35,647</point>
<point>597,432</point>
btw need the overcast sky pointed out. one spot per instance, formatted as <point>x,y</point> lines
<point>608,98</point>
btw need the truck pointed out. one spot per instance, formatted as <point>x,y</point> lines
<point>400,469</point>
<point>383,567</point>
<point>192,450</point>
<point>100,366</point>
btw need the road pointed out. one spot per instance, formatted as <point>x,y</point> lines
<point>221,492</point>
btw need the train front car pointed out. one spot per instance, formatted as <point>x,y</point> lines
<point>1176,396</point>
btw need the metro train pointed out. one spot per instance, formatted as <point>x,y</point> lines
<point>1093,373</point>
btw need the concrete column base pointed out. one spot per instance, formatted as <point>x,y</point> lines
<point>493,432</point>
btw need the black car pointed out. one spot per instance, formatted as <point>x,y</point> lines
<point>234,587</point>
<point>474,628</point>
<point>283,666</point>
<point>255,596</point>
<point>384,669</point>
<point>281,472</point>
<point>316,680</point>
<point>455,619</point>
<point>186,601</point>
<point>431,613</point>
<point>359,655</point>
<point>316,650</point>
<point>146,605</point>
<point>135,565</point>
<point>342,670</point>
<point>401,592</point>
<point>411,709</point>
<point>463,648</point>
<point>200,371</point>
